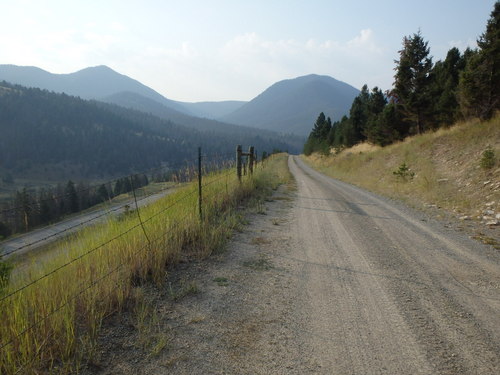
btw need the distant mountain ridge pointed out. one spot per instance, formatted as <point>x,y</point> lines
<point>103,83</point>
<point>58,137</point>
<point>292,105</point>
<point>90,83</point>
<point>140,103</point>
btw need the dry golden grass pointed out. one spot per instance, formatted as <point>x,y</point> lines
<point>51,312</point>
<point>446,164</point>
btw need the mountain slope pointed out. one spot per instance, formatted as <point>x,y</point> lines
<point>90,83</point>
<point>292,106</point>
<point>57,137</point>
<point>147,105</point>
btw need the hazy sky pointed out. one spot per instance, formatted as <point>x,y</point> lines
<point>219,49</point>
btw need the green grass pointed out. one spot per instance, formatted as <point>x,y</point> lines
<point>442,168</point>
<point>53,321</point>
<point>260,263</point>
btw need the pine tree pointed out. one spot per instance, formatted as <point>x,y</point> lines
<point>102,193</point>
<point>318,138</point>
<point>321,127</point>
<point>5,231</point>
<point>375,106</point>
<point>71,197</point>
<point>359,115</point>
<point>445,78</point>
<point>412,81</point>
<point>45,210</point>
<point>479,88</point>
<point>118,187</point>
<point>344,134</point>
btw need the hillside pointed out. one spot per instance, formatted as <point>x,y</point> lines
<point>140,103</point>
<point>56,137</point>
<point>292,106</point>
<point>446,166</point>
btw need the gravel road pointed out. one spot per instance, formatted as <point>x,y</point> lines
<point>396,294</point>
<point>332,280</point>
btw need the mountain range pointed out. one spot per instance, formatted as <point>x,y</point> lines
<point>54,137</point>
<point>289,106</point>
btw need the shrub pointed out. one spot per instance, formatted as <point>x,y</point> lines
<point>404,172</point>
<point>488,158</point>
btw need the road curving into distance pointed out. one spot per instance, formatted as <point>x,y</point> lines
<point>392,291</point>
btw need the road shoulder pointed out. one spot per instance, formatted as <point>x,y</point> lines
<point>220,315</point>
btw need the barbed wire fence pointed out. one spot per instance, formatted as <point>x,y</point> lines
<point>216,167</point>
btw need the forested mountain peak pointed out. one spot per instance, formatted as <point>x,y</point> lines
<point>291,105</point>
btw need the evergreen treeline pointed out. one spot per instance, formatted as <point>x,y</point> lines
<point>61,137</point>
<point>43,132</point>
<point>47,131</point>
<point>424,96</point>
<point>32,209</point>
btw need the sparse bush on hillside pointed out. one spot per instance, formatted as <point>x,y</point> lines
<point>404,172</point>
<point>488,158</point>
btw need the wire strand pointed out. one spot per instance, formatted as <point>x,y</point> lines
<point>107,212</point>
<point>8,295</point>
<point>92,284</point>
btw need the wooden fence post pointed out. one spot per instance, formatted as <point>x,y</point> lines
<point>250,159</point>
<point>199,185</point>
<point>238,162</point>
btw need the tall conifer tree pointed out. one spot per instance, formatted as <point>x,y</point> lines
<point>479,91</point>
<point>412,81</point>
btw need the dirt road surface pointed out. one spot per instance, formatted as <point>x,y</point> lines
<point>330,280</point>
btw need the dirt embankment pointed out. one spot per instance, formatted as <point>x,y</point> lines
<point>445,173</point>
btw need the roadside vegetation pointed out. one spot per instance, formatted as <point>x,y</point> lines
<point>425,96</point>
<point>433,139</point>
<point>51,311</point>
<point>455,168</point>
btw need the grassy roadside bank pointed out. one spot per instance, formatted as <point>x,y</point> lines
<point>440,169</point>
<point>51,313</point>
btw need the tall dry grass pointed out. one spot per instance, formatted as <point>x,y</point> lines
<point>51,312</point>
<point>446,163</point>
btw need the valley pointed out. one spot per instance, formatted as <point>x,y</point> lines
<point>250,188</point>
